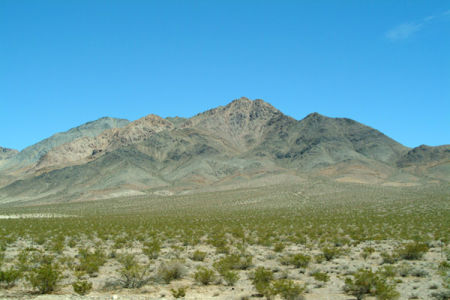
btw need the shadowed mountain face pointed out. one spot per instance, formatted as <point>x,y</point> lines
<point>245,143</point>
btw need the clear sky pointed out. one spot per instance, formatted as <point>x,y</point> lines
<point>383,63</point>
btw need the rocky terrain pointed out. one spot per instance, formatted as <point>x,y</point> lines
<point>245,143</point>
<point>6,153</point>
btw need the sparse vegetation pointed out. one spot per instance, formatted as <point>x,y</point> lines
<point>366,282</point>
<point>167,247</point>
<point>9,277</point>
<point>171,270</point>
<point>133,275</point>
<point>82,287</point>
<point>46,276</point>
<point>204,275</point>
<point>178,292</point>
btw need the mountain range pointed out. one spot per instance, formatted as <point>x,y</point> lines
<point>247,143</point>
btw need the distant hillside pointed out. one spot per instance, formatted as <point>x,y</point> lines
<point>33,153</point>
<point>6,153</point>
<point>245,143</point>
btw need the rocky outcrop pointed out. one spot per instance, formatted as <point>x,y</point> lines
<point>88,148</point>
<point>6,153</point>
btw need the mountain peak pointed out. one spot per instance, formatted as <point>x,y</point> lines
<point>6,153</point>
<point>315,116</point>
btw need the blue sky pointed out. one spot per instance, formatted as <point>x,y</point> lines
<point>383,63</point>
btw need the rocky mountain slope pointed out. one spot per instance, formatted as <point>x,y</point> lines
<point>6,153</point>
<point>245,143</point>
<point>33,153</point>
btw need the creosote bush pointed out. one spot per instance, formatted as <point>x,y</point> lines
<point>90,262</point>
<point>152,248</point>
<point>412,251</point>
<point>45,277</point>
<point>366,282</point>
<point>82,287</point>
<point>331,252</point>
<point>298,260</point>
<point>287,289</point>
<point>199,255</point>
<point>230,277</point>
<point>261,279</point>
<point>204,275</point>
<point>171,270</point>
<point>178,292</point>
<point>132,274</point>
<point>320,276</point>
<point>9,277</point>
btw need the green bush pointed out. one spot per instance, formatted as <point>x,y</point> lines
<point>199,255</point>
<point>82,287</point>
<point>388,258</point>
<point>287,289</point>
<point>261,279</point>
<point>388,271</point>
<point>179,292</point>
<point>412,251</point>
<point>233,262</point>
<point>9,277</point>
<point>320,276</point>
<point>366,282</point>
<point>230,277</point>
<point>132,274</point>
<point>204,275</point>
<point>367,251</point>
<point>90,262</point>
<point>152,249</point>
<point>44,278</point>
<point>330,253</point>
<point>279,247</point>
<point>442,295</point>
<point>171,270</point>
<point>297,260</point>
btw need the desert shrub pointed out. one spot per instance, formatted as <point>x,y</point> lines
<point>90,262</point>
<point>320,276</point>
<point>418,272</point>
<point>261,279</point>
<point>230,277</point>
<point>412,251</point>
<point>82,287</point>
<point>297,260</point>
<point>279,247</point>
<point>199,255</point>
<point>319,258</point>
<point>441,295</point>
<point>444,266</point>
<point>366,282</point>
<point>287,289</point>
<point>404,269</point>
<point>367,251</point>
<point>132,275</point>
<point>58,245</point>
<point>152,249</point>
<point>45,277</point>
<point>330,253</point>
<point>388,258</point>
<point>233,262</point>
<point>204,275</point>
<point>120,242</point>
<point>9,277</point>
<point>171,270</point>
<point>178,292</point>
<point>388,271</point>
